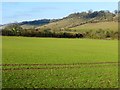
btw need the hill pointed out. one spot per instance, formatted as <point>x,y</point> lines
<point>78,19</point>
<point>36,22</point>
<point>31,24</point>
<point>71,21</point>
<point>97,25</point>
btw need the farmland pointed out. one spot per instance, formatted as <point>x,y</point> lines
<point>59,63</point>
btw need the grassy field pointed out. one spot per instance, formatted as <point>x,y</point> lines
<point>113,26</point>
<point>57,63</point>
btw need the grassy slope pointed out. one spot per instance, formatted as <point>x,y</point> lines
<point>113,26</point>
<point>28,26</point>
<point>65,23</point>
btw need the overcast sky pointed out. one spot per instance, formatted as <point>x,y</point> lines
<point>26,11</point>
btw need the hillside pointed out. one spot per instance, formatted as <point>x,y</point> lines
<point>71,21</point>
<point>64,23</point>
<point>31,24</point>
<point>111,25</point>
<point>96,25</point>
<point>77,19</point>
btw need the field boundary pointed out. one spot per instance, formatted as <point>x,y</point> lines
<point>58,64</point>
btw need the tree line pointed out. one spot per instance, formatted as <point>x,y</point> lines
<point>17,30</point>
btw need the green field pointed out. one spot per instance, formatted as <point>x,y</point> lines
<point>57,63</point>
